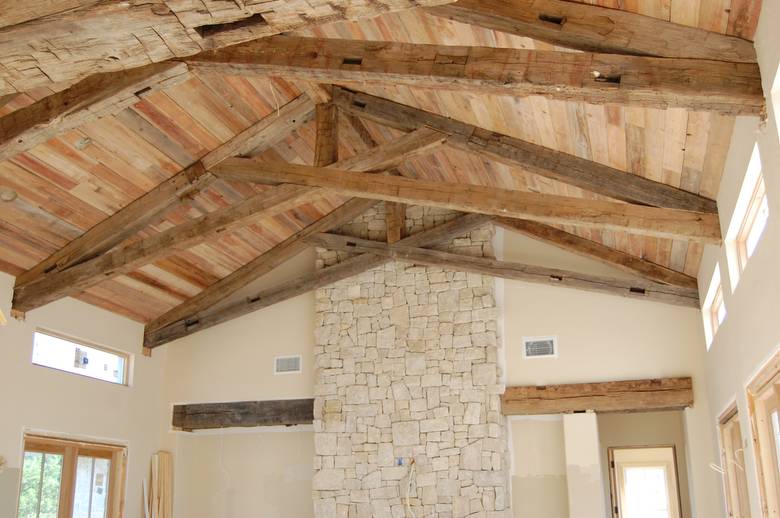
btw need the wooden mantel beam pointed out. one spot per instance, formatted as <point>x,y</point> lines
<point>727,88</point>
<point>637,289</point>
<point>614,396</point>
<point>152,206</point>
<point>591,176</point>
<point>593,28</point>
<point>242,414</point>
<point>545,208</point>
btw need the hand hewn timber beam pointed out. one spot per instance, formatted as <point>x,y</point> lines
<point>614,396</point>
<point>395,217</point>
<point>727,88</point>
<point>593,250</point>
<point>652,221</point>
<point>305,283</point>
<point>598,29</point>
<point>588,175</point>
<point>326,144</point>
<point>243,414</point>
<point>293,245</point>
<point>134,255</point>
<point>268,203</point>
<point>69,44</point>
<point>639,289</point>
<point>152,206</point>
<point>96,96</point>
<point>259,266</point>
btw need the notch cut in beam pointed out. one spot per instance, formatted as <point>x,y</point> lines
<point>305,283</point>
<point>585,174</point>
<point>615,396</point>
<point>726,88</point>
<point>636,289</point>
<point>152,206</point>
<point>593,28</point>
<point>593,250</point>
<point>243,414</point>
<point>90,99</point>
<point>652,221</point>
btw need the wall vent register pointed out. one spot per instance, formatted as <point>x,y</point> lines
<point>287,364</point>
<point>540,347</point>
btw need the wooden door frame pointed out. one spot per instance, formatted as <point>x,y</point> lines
<point>613,483</point>
<point>768,375</point>
<point>70,449</point>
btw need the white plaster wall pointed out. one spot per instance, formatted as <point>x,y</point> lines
<point>603,337</point>
<point>750,333</point>
<point>245,475</point>
<point>255,472</point>
<point>43,399</point>
<point>538,467</point>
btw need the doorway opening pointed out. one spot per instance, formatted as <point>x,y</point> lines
<point>643,482</point>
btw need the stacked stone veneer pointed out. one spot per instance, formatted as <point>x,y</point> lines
<point>407,367</point>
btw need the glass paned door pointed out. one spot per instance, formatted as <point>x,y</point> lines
<point>41,478</point>
<point>91,487</point>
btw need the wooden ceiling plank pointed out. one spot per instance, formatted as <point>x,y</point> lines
<point>593,28</point>
<point>132,256</point>
<point>544,208</point>
<point>563,167</point>
<point>260,266</point>
<point>305,283</point>
<point>294,244</point>
<point>728,88</point>
<point>152,206</point>
<point>613,396</point>
<point>96,96</point>
<point>639,289</point>
<point>593,250</point>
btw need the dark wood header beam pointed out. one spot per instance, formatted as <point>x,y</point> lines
<point>727,88</point>
<point>615,396</point>
<point>243,414</point>
<point>593,28</point>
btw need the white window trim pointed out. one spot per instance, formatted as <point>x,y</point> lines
<point>706,308</point>
<point>129,358</point>
<point>752,175</point>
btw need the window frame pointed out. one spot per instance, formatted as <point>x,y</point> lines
<point>713,301</point>
<point>127,357</point>
<point>71,449</point>
<point>735,489</point>
<point>752,194</point>
<point>763,394</point>
<point>757,199</point>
